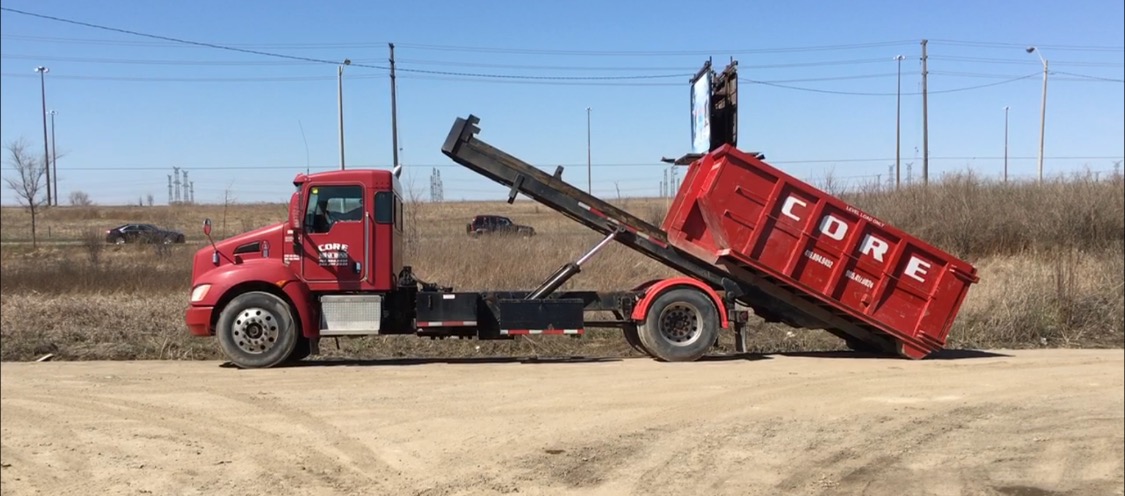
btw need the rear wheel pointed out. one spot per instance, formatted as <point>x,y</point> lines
<point>257,330</point>
<point>632,336</point>
<point>681,325</point>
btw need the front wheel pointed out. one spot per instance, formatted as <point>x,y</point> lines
<point>681,325</point>
<point>257,330</point>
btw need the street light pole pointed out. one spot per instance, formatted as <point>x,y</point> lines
<point>1042,109</point>
<point>340,104</point>
<point>46,153</point>
<point>898,125</point>
<point>589,168</point>
<point>54,158</point>
<point>1006,143</point>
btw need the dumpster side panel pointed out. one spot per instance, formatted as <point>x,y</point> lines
<point>742,210</point>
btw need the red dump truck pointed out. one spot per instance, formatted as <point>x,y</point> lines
<point>739,231</point>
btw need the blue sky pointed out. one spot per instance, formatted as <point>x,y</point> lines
<point>817,95</point>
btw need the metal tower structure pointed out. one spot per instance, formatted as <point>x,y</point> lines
<point>437,192</point>
<point>176,190</point>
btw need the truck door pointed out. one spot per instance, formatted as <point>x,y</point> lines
<point>334,240</point>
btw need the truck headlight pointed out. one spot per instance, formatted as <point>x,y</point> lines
<point>200,292</point>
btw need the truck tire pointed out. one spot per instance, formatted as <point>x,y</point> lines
<point>634,339</point>
<point>257,330</point>
<point>301,351</point>
<point>681,325</point>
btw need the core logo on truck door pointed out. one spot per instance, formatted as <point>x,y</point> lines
<point>333,254</point>
<point>837,229</point>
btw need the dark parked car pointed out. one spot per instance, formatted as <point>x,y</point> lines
<point>142,233</point>
<point>488,224</point>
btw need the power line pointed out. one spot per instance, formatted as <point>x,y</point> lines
<point>553,78</point>
<point>1077,77</point>
<point>1080,48</point>
<point>452,63</point>
<point>176,40</point>
<point>83,60</point>
<point>533,51</point>
<point>551,166</point>
<point>1086,76</point>
<point>460,48</point>
<point>483,78</point>
<point>991,60</point>
<point>137,43</point>
<point>863,93</point>
<point>548,82</point>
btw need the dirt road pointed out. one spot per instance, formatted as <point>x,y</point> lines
<point>1015,423</point>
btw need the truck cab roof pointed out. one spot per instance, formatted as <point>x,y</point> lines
<point>378,178</point>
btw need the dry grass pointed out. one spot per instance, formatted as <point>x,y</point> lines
<point>1051,262</point>
<point>1064,298</point>
<point>973,218</point>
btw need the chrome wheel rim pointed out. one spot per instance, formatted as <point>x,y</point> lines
<point>255,330</point>
<point>681,323</point>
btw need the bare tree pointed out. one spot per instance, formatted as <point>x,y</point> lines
<point>412,213</point>
<point>150,199</point>
<point>28,181</point>
<point>80,199</point>
<point>228,200</point>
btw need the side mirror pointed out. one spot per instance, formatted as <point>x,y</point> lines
<point>207,232</point>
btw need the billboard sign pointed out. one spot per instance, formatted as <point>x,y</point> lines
<point>701,113</point>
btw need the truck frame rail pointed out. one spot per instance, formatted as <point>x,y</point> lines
<point>770,298</point>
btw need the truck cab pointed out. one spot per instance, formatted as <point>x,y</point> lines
<point>339,251</point>
<point>346,231</point>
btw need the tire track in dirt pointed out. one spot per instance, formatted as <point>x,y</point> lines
<point>358,456</point>
<point>600,453</point>
<point>313,464</point>
<point>649,450</point>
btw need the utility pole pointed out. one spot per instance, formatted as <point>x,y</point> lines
<point>191,189</point>
<point>46,154</point>
<point>394,108</point>
<point>1042,109</point>
<point>589,164</point>
<point>925,122</point>
<point>54,158</point>
<point>340,105</point>
<point>1005,143</point>
<point>898,125</point>
<point>169,189</point>
<point>184,194</point>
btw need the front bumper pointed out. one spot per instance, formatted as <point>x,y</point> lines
<point>198,320</point>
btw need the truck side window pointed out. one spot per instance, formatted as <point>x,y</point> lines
<point>384,207</point>
<point>331,204</point>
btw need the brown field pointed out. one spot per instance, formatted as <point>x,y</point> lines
<point>1050,259</point>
